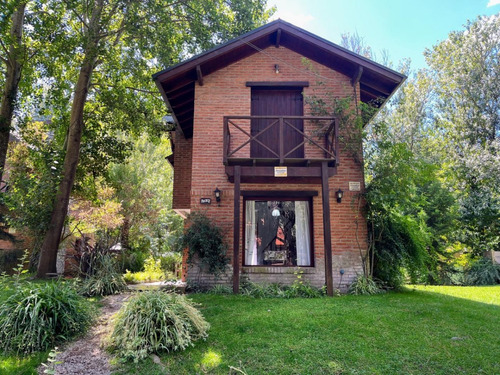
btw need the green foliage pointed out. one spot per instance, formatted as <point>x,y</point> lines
<point>37,316</point>
<point>34,173</point>
<point>220,289</point>
<point>105,280</point>
<point>9,259</point>
<point>143,185</point>
<point>402,246</point>
<point>131,260</point>
<point>409,210</point>
<point>50,367</point>
<point>171,263</point>
<point>98,268</point>
<point>205,243</point>
<point>299,289</point>
<point>152,272</point>
<point>483,272</point>
<point>152,322</point>
<point>364,285</point>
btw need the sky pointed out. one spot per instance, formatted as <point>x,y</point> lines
<point>405,28</point>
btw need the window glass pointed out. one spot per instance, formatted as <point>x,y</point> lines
<point>277,233</point>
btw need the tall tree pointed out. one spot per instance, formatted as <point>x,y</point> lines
<point>112,47</point>
<point>466,69</point>
<point>12,55</point>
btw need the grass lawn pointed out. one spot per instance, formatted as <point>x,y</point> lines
<point>423,330</point>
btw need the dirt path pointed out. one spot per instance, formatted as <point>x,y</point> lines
<point>87,355</point>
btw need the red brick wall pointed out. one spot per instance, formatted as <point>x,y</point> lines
<point>224,93</point>
<point>182,171</point>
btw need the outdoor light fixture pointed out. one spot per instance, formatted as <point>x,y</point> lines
<point>339,194</point>
<point>276,68</point>
<point>217,195</point>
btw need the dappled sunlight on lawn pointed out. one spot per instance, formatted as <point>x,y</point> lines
<point>21,365</point>
<point>484,294</point>
<point>209,361</point>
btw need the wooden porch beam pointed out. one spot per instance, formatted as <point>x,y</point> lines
<point>236,231</point>
<point>327,231</point>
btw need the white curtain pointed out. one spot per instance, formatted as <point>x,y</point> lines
<point>303,233</point>
<point>250,238</point>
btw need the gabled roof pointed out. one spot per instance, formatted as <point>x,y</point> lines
<point>177,82</point>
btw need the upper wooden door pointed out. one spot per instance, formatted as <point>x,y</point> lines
<point>277,102</point>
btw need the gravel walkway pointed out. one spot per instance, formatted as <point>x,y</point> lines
<point>87,356</point>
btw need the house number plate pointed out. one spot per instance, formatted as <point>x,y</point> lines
<point>205,200</point>
<point>354,186</point>
<point>280,172</point>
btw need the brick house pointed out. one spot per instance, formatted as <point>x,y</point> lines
<point>244,128</point>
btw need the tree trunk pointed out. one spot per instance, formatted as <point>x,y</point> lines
<point>48,254</point>
<point>12,77</point>
<point>125,234</point>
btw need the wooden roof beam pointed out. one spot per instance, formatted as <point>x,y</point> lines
<point>278,38</point>
<point>357,77</point>
<point>199,76</point>
<point>169,107</point>
<point>375,89</point>
<point>181,92</point>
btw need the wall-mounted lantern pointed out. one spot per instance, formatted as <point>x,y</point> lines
<point>217,195</point>
<point>339,194</point>
<point>276,68</point>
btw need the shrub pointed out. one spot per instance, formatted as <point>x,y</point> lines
<point>364,285</point>
<point>157,321</point>
<point>483,272</point>
<point>205,243</point>
<point>152,272</point>
<point>37,316</point>
<point>132,260</point>
<point>105,281</point>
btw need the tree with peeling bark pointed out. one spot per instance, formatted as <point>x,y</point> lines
<point>112,47</point>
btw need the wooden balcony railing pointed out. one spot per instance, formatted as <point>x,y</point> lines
<point>280,140</point>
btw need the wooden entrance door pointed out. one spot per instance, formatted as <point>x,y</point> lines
<point>277,102</point>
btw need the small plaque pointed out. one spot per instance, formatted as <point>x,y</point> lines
<point>205,200</point>
<point>354,186</point>
<point>280,171</point>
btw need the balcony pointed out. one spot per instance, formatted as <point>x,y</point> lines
<point>259,143</point>
<point>280,140</point>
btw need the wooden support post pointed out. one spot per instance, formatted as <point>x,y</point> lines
<point>327,232</point>
<point>236,230</point>
<point>282,141</point>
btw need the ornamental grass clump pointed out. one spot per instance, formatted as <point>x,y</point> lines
<point>38,316</point>
<point>105,280</point>
<point>364,285</point>
<point>156,321</point>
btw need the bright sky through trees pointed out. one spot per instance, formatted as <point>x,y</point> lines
<point>404,28</point>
